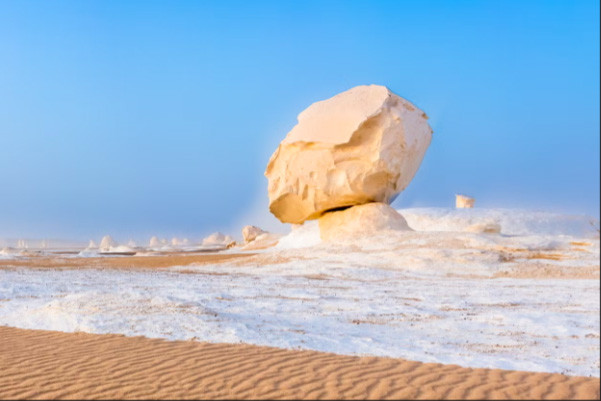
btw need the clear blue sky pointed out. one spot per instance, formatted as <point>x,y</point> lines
<point>143,117</point>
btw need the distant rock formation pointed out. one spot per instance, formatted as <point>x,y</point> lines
<point>360,146</point>
<point>464,202</point>
<point>154,242</point>
<point>249,233</point>
<point>362,220</point>
<point>218,239</point>
<point>107,243</point>
<point>262,241</point>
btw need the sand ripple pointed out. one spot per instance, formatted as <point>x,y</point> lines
<point>44,364</point>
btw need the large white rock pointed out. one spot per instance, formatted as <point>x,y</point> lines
<point>360,221</point>
<point>363,145</point>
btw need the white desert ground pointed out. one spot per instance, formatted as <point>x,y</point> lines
<point>448,310</point>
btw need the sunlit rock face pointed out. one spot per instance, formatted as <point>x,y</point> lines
<point>363,145</point>
<point>360,221</point>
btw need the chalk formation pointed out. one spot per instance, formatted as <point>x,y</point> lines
<point>464,202</point>
<point>361,146</point>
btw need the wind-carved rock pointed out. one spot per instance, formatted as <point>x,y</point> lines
<point>360,146</point>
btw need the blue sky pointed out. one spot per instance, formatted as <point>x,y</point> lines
<point>149,117</point>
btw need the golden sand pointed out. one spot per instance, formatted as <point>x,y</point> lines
<point>38,364</point>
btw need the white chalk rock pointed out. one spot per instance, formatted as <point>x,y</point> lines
<point>360,221</point>
<point>154,242</point>
<point>263,241</point>
<point>219,239</point>
<point>107,243</point>
<point>249,233</point>
<point>464,202</point>
<point>363,145</point>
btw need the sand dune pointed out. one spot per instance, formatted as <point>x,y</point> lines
<point>44,364</point>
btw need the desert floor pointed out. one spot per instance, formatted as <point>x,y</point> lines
<point>38,364</point>
<point>422,314</point>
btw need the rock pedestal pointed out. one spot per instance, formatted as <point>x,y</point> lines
<point>360,221</point>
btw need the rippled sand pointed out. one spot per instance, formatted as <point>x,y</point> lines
<point>39,364</point>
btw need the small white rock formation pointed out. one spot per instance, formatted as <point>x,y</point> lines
<point>154,242</point>
<point>8,251</point>
<point>249,233</point>
<point>92,245</point>
<point>132,244</point>
<point>218,239</point>
<point>119,249</point>
<point>262,241</point>
<point>360,146</point>
<point>107,243</point>
<point>464,202</point>
<point>360,221</point>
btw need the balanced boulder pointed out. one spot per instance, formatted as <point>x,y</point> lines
<point>360,146</point>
